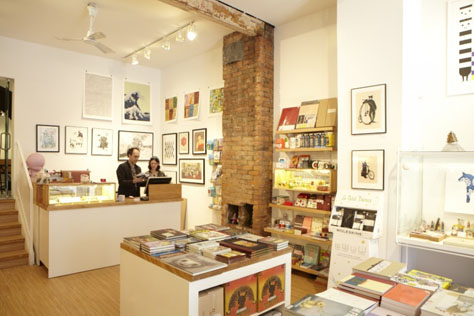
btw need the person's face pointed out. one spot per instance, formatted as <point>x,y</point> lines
<point>154,165</point>
<point>133,158</point>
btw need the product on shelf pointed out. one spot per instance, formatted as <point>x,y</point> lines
<point>271,287</point>
<point>240,296</point>
<point>288,118</point>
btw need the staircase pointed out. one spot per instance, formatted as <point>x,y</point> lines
<point>12,243</point>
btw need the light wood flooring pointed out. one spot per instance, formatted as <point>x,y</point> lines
<point>26,290</point>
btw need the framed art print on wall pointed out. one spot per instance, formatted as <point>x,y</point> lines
<point>199,141</point>
<point>102,141</point>
<point>171,107</point>
<point>141,140</point>
<point>368,107</point>
<point>184,143</point>
<point>136,103</point>
<point>97,97</point>
<point>191,170</point>
<point>47,138</point>
<point>169,149</point>
<point>75,140</point>
<point>368,169</point>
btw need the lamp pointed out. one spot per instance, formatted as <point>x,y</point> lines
<point>179,36</point>
<point>191,35</point>
<point>147,53</point>
<point>135,59</point>
<point>166,45</point>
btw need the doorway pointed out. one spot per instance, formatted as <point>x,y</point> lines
<point>6,128</point>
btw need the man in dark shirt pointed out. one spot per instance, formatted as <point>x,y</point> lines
<point>127,173</point>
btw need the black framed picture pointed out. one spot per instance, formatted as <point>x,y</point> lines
<point>47,138</point>
<point>199,141</point>
<point>368,169</point>
<point>192,170</point>
<point>75,140</point>
<point>369,114</point>
<point>102,142</point>
<point>141,140</point>
<point>169,149</point>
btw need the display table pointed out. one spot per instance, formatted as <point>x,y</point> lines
<point>75,238</point>
<point>151,287</point>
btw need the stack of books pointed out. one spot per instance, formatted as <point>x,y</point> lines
<point>364,286</point>
<point>156,247</point>
<point>251,237</point>
<point>212,252</point>
<point>379,311</point>
<point>168,234</point>
<point>182,243</point>
<point>250,248</point>
<point>193,264</point>
<point>405,299</point>
<point>211,226</point>
<point>234,232</point>
<point>231,257</point>
<point>278,244</point>
<point>443,282</point>
<point>205,234</point>
<point>199,246</point>
<point>449,303</point>
<point>418,282</point>
<point>379,268</point>
<point>136,241</point>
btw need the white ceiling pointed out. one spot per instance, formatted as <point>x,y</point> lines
<point>131,24</point>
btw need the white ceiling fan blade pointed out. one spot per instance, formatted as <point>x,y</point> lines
<point>104,49</point>
<point>96,36</point>
<point>68,39</point>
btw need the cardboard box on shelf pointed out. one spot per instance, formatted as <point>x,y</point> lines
<point>211,302</point>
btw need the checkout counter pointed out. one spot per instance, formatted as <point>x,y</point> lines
<point>80,225</point>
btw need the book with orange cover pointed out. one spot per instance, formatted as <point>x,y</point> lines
<point>288,118</point>
<point>405,299</point>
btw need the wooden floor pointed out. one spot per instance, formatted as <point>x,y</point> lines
<point>26,290</point>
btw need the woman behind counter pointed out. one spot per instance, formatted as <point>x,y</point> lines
<point>154,168</point>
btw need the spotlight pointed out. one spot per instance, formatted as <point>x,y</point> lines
<point>166,45</point>
<point>147,53</point>
<point>135,60</point>
<point>179,36</point>
<point>191,32</point>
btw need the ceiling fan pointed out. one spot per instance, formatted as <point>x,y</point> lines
<point>92,37</point>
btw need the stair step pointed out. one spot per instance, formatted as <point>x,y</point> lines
<point>13,258</point>
<point>9,215</point>
<point>7,204</point>
<point>10,228</point>
<point>11,239</point>
<point>11,243</point>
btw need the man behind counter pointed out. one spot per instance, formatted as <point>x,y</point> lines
<point>127,173</point>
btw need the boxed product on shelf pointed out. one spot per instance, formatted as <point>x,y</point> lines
<point>305,179</point>
<point>211,302</point>
<point>240,296</point>
<point>302,200</point>
<point>271,287</point>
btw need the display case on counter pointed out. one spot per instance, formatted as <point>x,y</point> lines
<point>436,201</point>
<point>74,193</point>
<point>306,180</point>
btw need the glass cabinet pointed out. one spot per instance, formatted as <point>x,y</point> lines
<point>74,193</point>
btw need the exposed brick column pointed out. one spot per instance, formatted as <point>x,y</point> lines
<point>247,124</point>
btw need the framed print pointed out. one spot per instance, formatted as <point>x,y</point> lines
<point>368,169</point>
<point>75,140</point>
<point>136,103</point>
<point>97,97</point>
<point>199,141</point>
<point>369,110</point>
<point>171,107</point>
<point>47,138</point>
<point>216,101</point>
<point>460,70</point>
<point>191,105</point>
<point>141,140</point>
<point>184,143</point>
<point>191,170</point>
<point>172,174</point>
<point>169,149</point>
<point>102,142</point>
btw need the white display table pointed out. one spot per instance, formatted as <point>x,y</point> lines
<point>151,287</point>
<point>84,237</point>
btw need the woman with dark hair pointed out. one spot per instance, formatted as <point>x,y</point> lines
<point>154,168</point>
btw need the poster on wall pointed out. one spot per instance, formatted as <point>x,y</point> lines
<point>460,70</point>
<point>47,138</point>
<point>369,110</point>
<point>171,106</point>
<point>191,170</point>
<point>459,196</point>
<point>184,143</point>
<point>216,101</point>
<point>191,105</point>
<point>102,142</point>
<point>368,169</point>
<point>136,103</point>
<point>97,97</point>
<point>199,141</point>
<point>75,140</point>
<point>169,149</point>
<point>142,140</point>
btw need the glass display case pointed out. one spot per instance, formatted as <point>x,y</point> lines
<point>74,193</point>
<point>436,201</point>
<point>306,180</point>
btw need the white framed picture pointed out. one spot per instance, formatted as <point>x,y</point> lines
<point>102,142</point>
<point>368,169</point>
<point>76,140</point>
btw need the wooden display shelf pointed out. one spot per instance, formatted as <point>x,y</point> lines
<point>308,130</point>
<point>309,271</point>
<point>301,209</point>
<point>306,149</point>
<point>301,237</point>
<point>305,191</point>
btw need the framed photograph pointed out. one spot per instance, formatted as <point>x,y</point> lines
<point>191,105</point>
<point>141,140</point>
<point>216,101</point>
<point>97,97</point>
<point>172,174</point>
<point>184,143</point>
<point>75,140</point>
<point>369,110</point>
<point>191,170</point>
<point>368,169</point>
<point>171,107</point>
<point>199,141</point>
<point>169,149</point>
<point>47,138</point>
<point>102,142</point>
<point>136,103</point>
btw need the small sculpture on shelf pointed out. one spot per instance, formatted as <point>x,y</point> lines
<point>452,143</point>
<point>432,232</point>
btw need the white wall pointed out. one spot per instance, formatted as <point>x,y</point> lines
<point>49,90</point>
<point>369,52</point>
<point>200,73</point>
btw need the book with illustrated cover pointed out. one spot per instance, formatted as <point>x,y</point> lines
<point>381,268</point>
<point>194,264</point>
<point>168,234</point>
<point>211,226</point>
<point>234,232</point>
<point>231,256</point>
<point>251,237</point>
<point>240,296</point>
<point>448,303</point>
<point>411,280</point>
<point>365,285</point>
<point>307,115</point>
<point>288,118</point>
<point>250,248</point>
<point>271,287</point>
<point>314,305</point>
<point>212,252</point>
<point>136,241</point>
<point>442,281</point>
<point>349,299</point>
<point>206,234</point>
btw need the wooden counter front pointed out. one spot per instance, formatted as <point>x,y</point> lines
<point>164,192</point>
<point>127,201</point>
